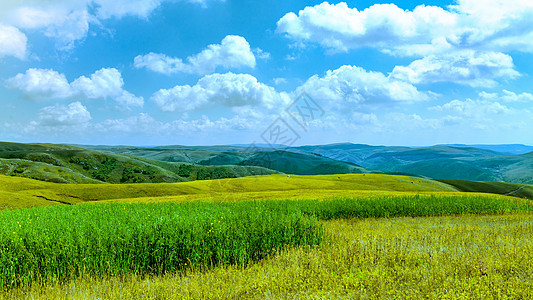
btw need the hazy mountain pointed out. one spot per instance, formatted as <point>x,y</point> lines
<point>510,148</point>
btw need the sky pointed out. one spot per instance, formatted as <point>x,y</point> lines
<point>212,72</point>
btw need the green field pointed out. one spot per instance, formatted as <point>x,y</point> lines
<point>274,236</point>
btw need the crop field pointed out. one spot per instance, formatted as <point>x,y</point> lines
<point>356,236</point>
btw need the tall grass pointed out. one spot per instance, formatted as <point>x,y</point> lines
<point>55,244</point>
<point>61,243</point>
<point>421,205</point>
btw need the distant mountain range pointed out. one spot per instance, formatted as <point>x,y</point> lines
<point>438,162</point>
<point>179,163</point>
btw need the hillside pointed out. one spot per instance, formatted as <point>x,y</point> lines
<point>440,162</point>
<point>69,164</point>
<point>281,161</point>
<point>502,188</point>
<point>22,192</point>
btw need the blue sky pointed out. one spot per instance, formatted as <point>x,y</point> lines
<point>201,72</point>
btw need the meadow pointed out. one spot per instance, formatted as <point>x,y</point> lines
<point>320,237</point>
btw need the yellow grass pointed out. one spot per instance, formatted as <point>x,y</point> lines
<point>20,192</point>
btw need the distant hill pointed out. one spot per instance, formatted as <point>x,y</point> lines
<point>515,149</point>
<point>281,161</point>
<point>440,162</point>
<point>459,162</point>
<point>69,164</point>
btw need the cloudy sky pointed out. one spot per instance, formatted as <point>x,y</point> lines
<point>201,72</point>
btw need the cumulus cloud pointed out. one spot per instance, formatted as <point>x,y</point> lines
<point>12,42</point>
<point>476,69</point>
<point>492,25</point>
<point>64,115</point>
<point>229,90</point>
<point>233,52</point>
<point>42,84</point>
<point>351,87</point>
<point>103,83</point>
<point>68,21</point>
<point>39,84</point>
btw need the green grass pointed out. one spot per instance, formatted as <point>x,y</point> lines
<point>453,257</point>
<point>502,188</point>
<point>62,243</point>
<point>56,244</point>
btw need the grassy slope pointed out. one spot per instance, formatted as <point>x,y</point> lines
<point>282,161</point>
<point>36,193</point>
<point>502,188</point>
<point>67,164</point>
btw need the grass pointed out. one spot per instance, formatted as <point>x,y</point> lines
<point>52,244</point>
<point>502,188</point>
<point>23,192</point>
<point>334,236</point>
<point>452,257</point>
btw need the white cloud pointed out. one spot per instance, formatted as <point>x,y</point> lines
<point>160,63</point>
<point>340,28</point>
<point>145,124</point>
<point>279,80</point>
<point>352,87</point>
<point>12,42</point>
<point>492,25</point>
<point>507,96</point>
<point>364,119</point>
<point>229,90</point>
<point>39,84</point>
<point>473,108</point>
<point>64,115</point>
<point>68,21</point>
<point>261,54</point>
<point>398,122</point>
<point>65,23</point>
<point>477,69</point>
<point>103,83</point>
<point>233,52</point>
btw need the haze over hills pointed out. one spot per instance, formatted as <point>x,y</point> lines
<point>440,162</point>
<point>506,148</point>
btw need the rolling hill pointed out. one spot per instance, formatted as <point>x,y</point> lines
<point>281,161</point>
<point>18,192</point>
<point>69,164</point>
<point>440,162</point>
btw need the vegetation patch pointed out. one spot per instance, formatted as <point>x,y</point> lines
<point>57,244</point>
